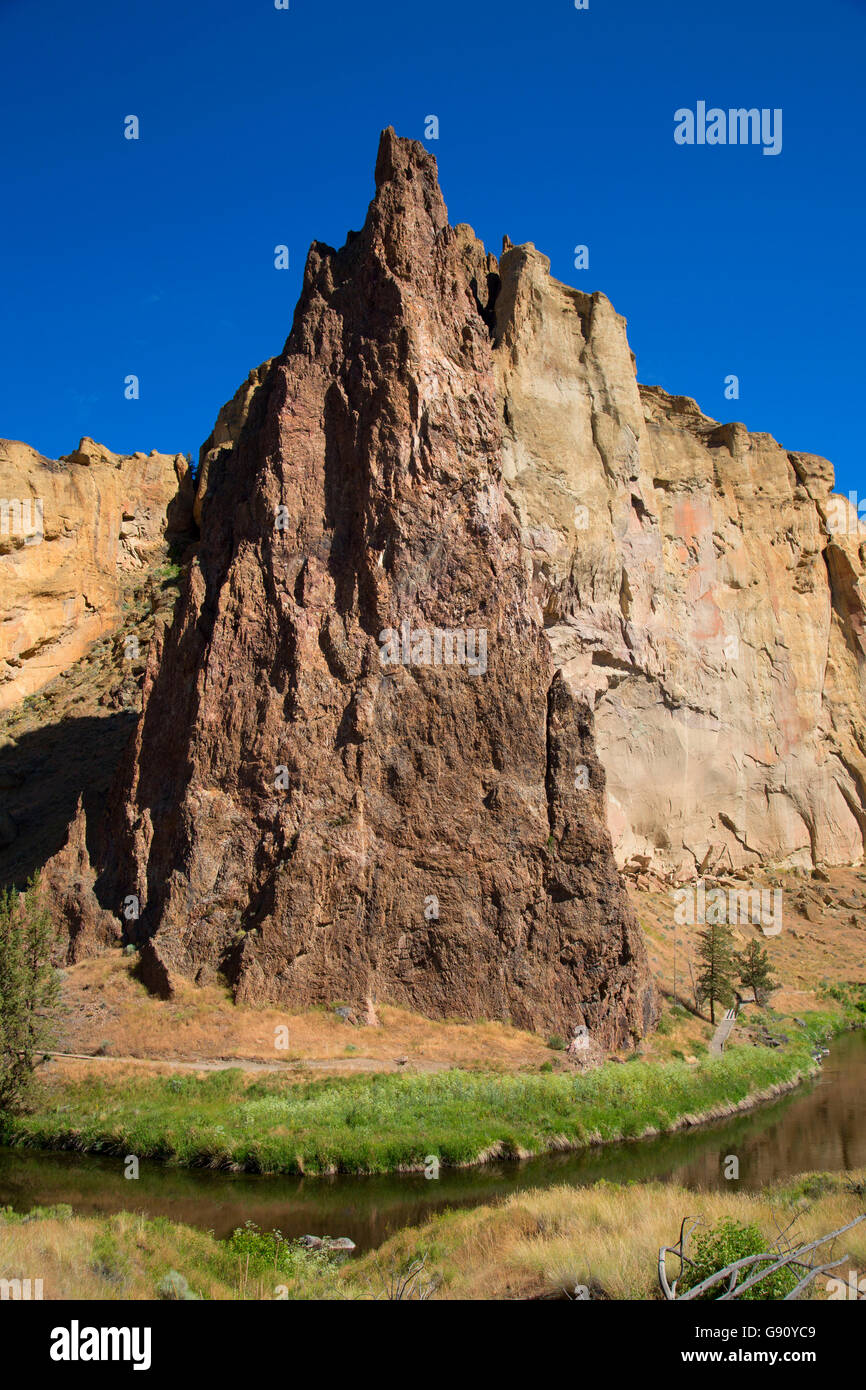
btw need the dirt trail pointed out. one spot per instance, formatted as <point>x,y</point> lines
<point>335,1064</point>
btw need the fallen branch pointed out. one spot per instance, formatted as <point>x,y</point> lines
<point>791,1259</point>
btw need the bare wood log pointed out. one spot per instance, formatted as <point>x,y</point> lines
<point>813,1274</point>
<point>670,1290</point>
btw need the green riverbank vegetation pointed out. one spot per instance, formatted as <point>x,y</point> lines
<point>377,1123</point>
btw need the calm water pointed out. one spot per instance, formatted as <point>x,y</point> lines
<point>820,1126</point>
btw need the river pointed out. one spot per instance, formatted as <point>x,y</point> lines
<point>821,1126</point>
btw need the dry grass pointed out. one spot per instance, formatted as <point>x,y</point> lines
<point>536,1244</point>
<point>127,1256</point>
<point>104,1005</point>
<point>533,1245</point>
<point>106,1008</point>
<point>804,956</point>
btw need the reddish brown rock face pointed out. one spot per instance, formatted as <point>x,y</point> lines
<point>316,805</point>
<point>67,882</point>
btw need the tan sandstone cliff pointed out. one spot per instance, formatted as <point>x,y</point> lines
<point>72,532</point>
<point>691,587</point>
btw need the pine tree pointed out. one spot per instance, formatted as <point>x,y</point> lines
<point>718,966</point>
<point>755,971</point>
<point>28,989</point>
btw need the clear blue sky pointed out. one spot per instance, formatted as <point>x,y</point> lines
<point>260,127</point>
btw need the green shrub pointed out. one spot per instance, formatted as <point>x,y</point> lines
<point>268,1252</point>
<point>108,1260</point>
<point>722,1245</point>
<point>176,1286</point>
<point>29,990</point>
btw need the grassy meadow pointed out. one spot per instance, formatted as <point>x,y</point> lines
<point>377,1123</point>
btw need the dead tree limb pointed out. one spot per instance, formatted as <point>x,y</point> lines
<point>813,1274</point>
<point>791,1258</point>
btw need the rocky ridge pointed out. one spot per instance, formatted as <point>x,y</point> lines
<point>75,533</point>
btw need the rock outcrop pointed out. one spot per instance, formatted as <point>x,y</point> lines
<point>67,741</point>
<point>465,594</point>
<point>67,883</point>
<point>72,533</point>
<point>692,588</point>
<point>217,449</point>
<point>357,775</point>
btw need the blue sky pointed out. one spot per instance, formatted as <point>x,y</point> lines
<point>259,127</point>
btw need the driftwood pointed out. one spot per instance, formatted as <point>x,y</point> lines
<point>773,1259</point>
